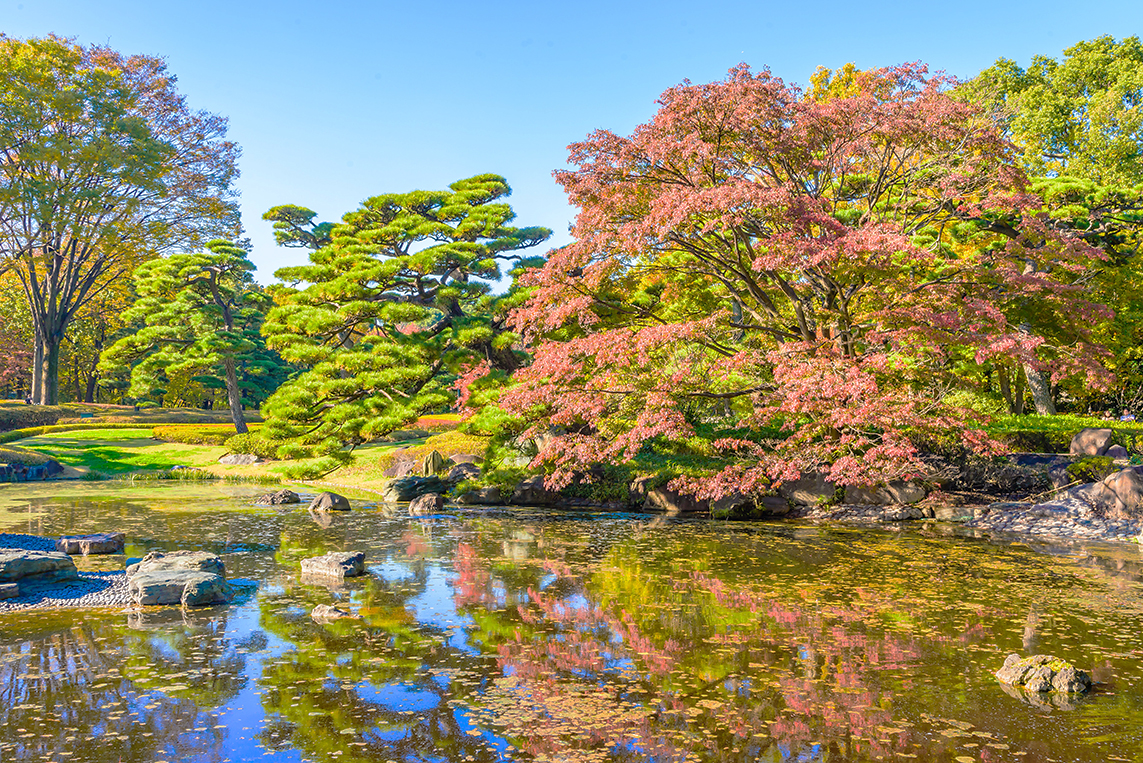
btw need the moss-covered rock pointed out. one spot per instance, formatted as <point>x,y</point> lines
<point>1043,673</point>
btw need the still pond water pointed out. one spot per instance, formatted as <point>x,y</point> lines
<point>493,636</point>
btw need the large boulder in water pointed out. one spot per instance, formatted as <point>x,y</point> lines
<point>531,492</point>
<point>407,488</point>
<point>36,567</point>
<point>280,498</point>
<point>429,503</point>
<point>329,502</point>
<point>1043,673</point>
<point>810,489</point>
<point>336,564</point>
<point>97,543</point>
<point>485,496</point>
<point>160,561</point>
<point>189,587</point>
<point>1090,441</point>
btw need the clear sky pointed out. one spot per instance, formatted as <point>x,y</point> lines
<point>334,102</point>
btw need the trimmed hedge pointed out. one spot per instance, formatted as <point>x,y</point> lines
<point>197,434</point>
<point>254,444</point>
<point>20,434</point>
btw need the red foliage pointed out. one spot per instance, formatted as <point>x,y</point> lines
<point>750,259</point>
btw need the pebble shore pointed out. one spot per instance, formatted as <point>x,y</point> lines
<point>93,589</point>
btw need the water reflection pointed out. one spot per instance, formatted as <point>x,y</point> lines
<point>490,636</point>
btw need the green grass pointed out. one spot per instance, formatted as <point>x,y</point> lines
<point>118,451</point>
<point>1054,433</point>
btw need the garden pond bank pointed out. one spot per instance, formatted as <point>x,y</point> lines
<point>492,635</point>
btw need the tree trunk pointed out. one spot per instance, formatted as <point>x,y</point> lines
<point>50,378</point>
<point>1041,388</point>
<point>234,396</point>
<point>37,368</point>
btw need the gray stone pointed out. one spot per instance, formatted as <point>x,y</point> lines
<point>239,459</point>
<point>36,566</point>
<point>336,564</point>
<point>1121,494</point>
<point>189,587</point>
<point>97,543</point>
<point>433,463</point>
<point>325,613</point>
<point>1117,452</point>
<point>810,489</point>
<point>462,472</point>
<point>1042,673</point>
<point>407,488</point>
<point>530,491</point>
<point>165,561</point>
<point>9,590</point>
<point>429,503</point>
<point>280,498</point>
<point>400,469</point>
<point>1090,441</point>
<point>466,458</point>
<point>885,495</point>
<point>329,502</point>
<point>485,496</point>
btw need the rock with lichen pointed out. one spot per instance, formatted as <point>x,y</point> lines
<point>1043,673</point>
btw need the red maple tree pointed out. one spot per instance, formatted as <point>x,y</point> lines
<point>788,283</point>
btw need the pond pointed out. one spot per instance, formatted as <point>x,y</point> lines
<point>525,635</point>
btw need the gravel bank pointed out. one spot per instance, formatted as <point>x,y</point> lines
<point>93,589</point>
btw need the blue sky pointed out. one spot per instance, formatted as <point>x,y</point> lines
<point>338,101</point>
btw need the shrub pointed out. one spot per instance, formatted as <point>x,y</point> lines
<point>1053,434</point>
<point>1091,469</point>
<point>254,444</point>
<point>197,434</point>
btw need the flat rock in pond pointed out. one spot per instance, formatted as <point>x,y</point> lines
<point>329,502</point>
<point>325,613</point>
<point>280,498</point>
<point>96,543</point>
<point>407,488</point>
<point>337,564</point>
<point>1043,673</point>
<point>37,566</point>
<point>189,587</point>
<point>239,459</point>
<point>8,590</point>
<point>157,561</point>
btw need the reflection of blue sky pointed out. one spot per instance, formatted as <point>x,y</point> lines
<point>398,696</point>
<point>390,571</point>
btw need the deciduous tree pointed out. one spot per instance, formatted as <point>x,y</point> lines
<point>102,165</point>
<point>783,282</point>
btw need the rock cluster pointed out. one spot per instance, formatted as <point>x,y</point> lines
<point>1043,673</point>
<point>29,472</point>
<point>1096,442</point>
<point>190,578</point>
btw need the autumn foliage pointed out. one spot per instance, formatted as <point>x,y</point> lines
<point>788,283</point>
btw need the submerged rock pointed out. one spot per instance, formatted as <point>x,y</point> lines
<point>96,543</point>
<point>36,566</point>
<point>329,502</point>
<point>338,564</point>
<point>326,613</point>
<point>280,498</point>
<point>1043,673</point>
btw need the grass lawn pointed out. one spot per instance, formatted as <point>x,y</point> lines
<point>119,451</point>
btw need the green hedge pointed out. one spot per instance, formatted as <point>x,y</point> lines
<point>197,434</point>
<point>20,434</point>
<point>254,444</point>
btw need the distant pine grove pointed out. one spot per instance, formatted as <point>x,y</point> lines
<point>764,280</point>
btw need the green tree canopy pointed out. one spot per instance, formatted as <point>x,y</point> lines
<point>102,165</point>
<point>397,304</point>
<point>201,313</point>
